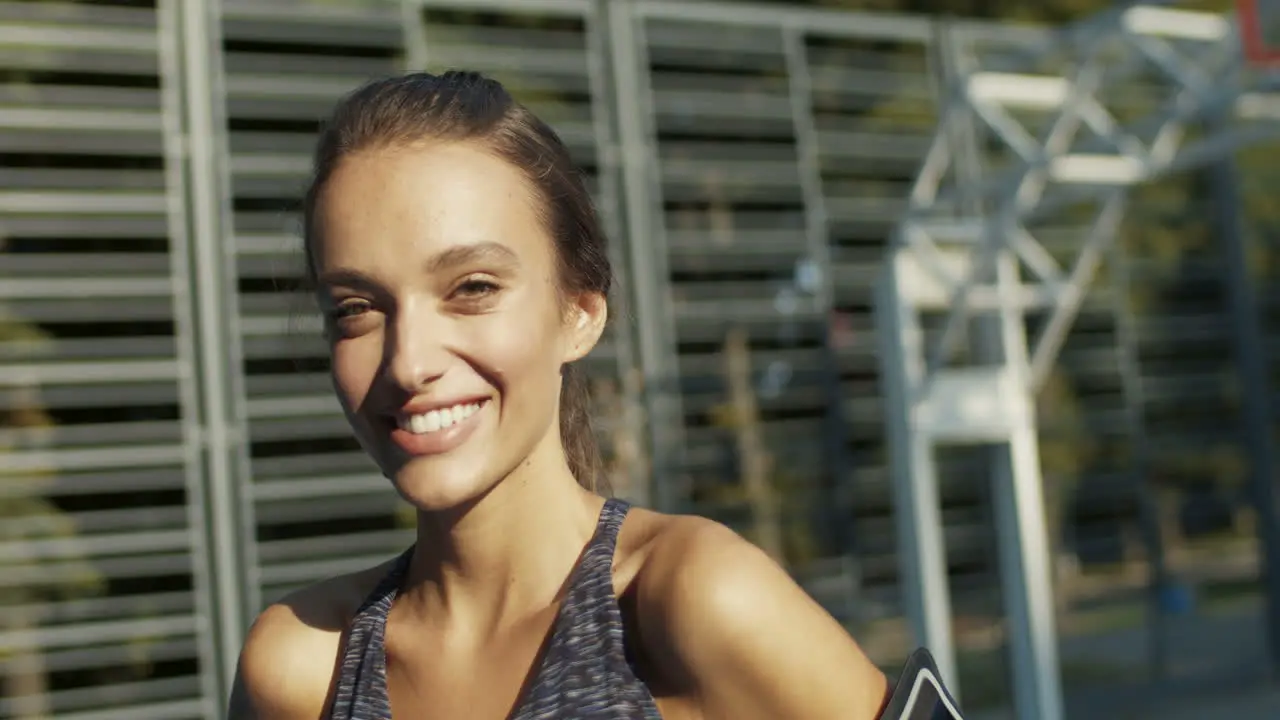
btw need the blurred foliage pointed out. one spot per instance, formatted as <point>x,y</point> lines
<point>27,515</point>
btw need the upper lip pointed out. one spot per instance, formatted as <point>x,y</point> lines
<point>419,406</point>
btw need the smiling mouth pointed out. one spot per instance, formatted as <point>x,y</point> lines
<point>437,420</point>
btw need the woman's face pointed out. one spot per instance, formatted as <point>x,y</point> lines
<point>447,328</point>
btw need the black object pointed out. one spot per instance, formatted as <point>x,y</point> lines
<point>919,693</point>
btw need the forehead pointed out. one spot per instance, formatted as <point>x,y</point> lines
<point>385,206</point>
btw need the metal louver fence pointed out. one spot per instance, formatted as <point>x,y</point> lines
<point>101,540</point>
<point>172,458</point>
<point>784,141</point>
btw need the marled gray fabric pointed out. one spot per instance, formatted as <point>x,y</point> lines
<point>583,674</point>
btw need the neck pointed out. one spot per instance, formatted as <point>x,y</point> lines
<point>505,556</point>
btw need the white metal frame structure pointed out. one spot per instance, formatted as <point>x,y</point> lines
<point>962,247</point>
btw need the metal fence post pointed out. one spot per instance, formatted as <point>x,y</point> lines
<point>1249,346</point>
<point>917,508</point>
<point>650,278</point>
<point>834,517</point>
<point>416,52</point>
<point>211,281</point>
<point>205,598</point>
<point>609,166</point>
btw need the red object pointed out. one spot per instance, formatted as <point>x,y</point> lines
<point>1260,30</point>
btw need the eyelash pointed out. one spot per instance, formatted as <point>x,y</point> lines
<point>475,288</point>
<point>345,309</point>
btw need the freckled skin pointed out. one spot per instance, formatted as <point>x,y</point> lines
<point>489,326</point>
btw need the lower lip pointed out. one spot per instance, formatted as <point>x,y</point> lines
<point>440,441</point>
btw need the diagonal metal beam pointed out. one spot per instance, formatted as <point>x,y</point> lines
<point>1033,254</point>
<point>1101,236</point>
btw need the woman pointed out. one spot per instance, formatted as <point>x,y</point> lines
<point>462,271</point>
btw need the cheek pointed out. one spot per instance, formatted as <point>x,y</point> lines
<point>523,354</point>
<point>354,366</point>
<point>526,356</point>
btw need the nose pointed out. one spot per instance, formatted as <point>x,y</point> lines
<point>415,353</point>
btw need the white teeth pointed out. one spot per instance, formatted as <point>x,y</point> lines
<point>440,419</point>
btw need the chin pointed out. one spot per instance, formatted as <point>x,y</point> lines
<point>440,484</point>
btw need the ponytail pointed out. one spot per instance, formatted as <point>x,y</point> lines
<point>577,434</point>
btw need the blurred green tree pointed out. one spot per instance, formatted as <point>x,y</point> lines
<point>25,515</point>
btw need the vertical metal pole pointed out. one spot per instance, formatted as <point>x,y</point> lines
<point>917,514</point>
<point>966,166</point>
<point>836,514</point>
<point>415,36</point>
<point>800,87</point>
<point>168,21</point>
<point>1135,411</point>
<point>608,166</point>
<point>921,545</point>
<point>1255,383</point>
<point>213,280</point>
<point>647,247</point>
<point>1017,485</point>
<point>1018,495</point>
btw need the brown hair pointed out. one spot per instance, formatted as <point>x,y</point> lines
<point>466,106</point>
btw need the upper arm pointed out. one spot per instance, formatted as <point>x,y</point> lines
<point>286,668</point>
<point>242,706</point>
<point>745,640</point>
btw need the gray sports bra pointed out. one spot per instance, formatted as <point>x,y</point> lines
<point>585,672</point>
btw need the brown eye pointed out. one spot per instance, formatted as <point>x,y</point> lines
<point>475,289</point>
<point>349,308</point>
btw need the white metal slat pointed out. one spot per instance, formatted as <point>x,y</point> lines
<point>116,522</point>
<point>291,562</point>
<point>125,696</point>
<point>73,575</point>
<point>104,657</point>
<point>177,710</point>
<point>89,546</point>
<point>316,569</point>
<point>153,265</point>
<point>91,483</point>
<point>21,140</point>
<point>103,310</point>
<point>88,225</point>
<point>115,433</point>
<point>284,490</point>
<point>96,609</point>
<point>71,59</point>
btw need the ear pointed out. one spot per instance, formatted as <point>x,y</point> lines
<point>585,322</point>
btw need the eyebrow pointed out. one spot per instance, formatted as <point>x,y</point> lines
<point>345,277</point>
<point>449,258</point>
<point>470,254</point>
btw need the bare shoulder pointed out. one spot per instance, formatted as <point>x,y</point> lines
<point>288,662</point>
<point>730,625</point>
